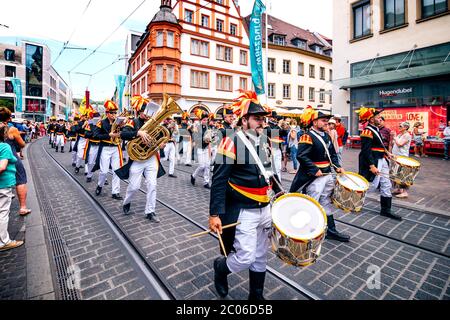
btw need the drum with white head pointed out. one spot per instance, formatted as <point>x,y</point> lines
<point>299,225</point>
<point>350,192</point>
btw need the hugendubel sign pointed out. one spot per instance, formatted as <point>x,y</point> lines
<point>394,92</point>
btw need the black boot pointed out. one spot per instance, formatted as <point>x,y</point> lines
<point>221,272</point>
<point>386,205</point>
<point>98,191</point>
<point>56,148</point>
<point>333,234</point>
<point>256,285</point>
<point>62,149</point>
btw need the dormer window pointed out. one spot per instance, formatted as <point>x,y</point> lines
<point>299,43</point>
<point>317,49</point>
<point>279,40</point>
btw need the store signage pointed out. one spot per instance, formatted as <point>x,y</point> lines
<point>394,92</point>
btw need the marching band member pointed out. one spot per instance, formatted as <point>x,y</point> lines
<point>80,144</point>
<point>203,149</point>
<point>151,168</point>
<point>109,152</point>
<point>314,174</point>
<point>373,164</point>
<point>72,137</point>
<point>92,146</point>
<point>170,150</point>
<point>186,139</point>
<point>51,130</point>
<point>60,133</point>
<point>239,193</point>
<point>212,126</point>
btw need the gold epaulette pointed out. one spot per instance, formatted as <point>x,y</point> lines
<point>227,148</point>
<point>366,134</point>
<point>99,124</point>
<point>130,123</point>
<point>306,138</point>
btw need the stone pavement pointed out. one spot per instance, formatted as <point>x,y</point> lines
<point>431,189</point>
<point>343,269</point>
<point>25,271</point>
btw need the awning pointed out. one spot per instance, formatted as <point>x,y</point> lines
<point>430,70</point>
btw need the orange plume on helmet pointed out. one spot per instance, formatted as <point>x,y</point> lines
<point>110,106</point>
<point>308,115</point>
<point>241,103</point>
<point>212,116</point>
<point>185,115</point>
<point>138,101</point>
<point>365,113</point>
<point>199,113</point>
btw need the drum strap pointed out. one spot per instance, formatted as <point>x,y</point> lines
<point>323,144</point>
<point>255,156</point>
<point>378,136</point>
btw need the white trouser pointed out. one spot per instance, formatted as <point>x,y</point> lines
<point>169,152</point>
<point>51,137</point>
<point>5,204</point>
<point>203,165</point>
<point>113,156</point>
<point>148,168</point>
<point>277,159</point>
<point>339,154</point>
<point>321,189</point>
<point>93,151</point>
<point>74,154</point>
<point>187,151</point>
<point>382,181</point>
<point>252,240</point>
<point>80,152</point>
<point>213,154</point>
<point>60,140</point>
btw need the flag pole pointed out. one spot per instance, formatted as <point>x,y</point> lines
<point>266,62</point>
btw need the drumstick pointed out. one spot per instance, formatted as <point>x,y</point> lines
<point>208,231</point>
<point>348,176</point>
<point>221,244</point>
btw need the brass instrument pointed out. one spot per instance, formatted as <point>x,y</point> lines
<point>137,149</point>
<point>115,127</point>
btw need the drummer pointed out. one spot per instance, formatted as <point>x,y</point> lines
<point>239,192</point>
<point>315,176</point>
<point>373,164</point>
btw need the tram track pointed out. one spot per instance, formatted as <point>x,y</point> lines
<point>417,246</point>
<point>152,270</point>
<point>156,280</point>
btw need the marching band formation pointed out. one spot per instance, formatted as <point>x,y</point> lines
<point>239,160</point>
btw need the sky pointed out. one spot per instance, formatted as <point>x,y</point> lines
<point>55,22</point>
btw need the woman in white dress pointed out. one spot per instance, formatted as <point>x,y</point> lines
<point>401,145</point>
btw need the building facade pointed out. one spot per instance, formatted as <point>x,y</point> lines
<point>393,54</point>
<point>31,63</point>
<point>197,52</point>
<point>299,66</point>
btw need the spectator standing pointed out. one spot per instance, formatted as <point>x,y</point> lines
<point>293,145</point>
<point>446,138</point>
<point>386,134</point>
<point>401,145</point>
<point>16,142</point>
<point>284,131</point>
<point>7,181</point>
<point>418,139</point>
<point>42,129</point>
<point>341,132</point>
<point>333,135</point>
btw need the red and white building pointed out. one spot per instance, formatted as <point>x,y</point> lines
<point>196,51</point>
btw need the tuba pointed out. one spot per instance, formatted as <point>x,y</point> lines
<point>137,149</point>
<point>115,127</point>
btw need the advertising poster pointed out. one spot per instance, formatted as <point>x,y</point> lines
<point>430,116</point>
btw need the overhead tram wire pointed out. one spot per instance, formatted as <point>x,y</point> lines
<point>103,42</point>
<point>70,37</point>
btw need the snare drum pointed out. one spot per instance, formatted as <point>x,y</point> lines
<point>350,192</point>
<point>403,170</point>
<point>299,226</point>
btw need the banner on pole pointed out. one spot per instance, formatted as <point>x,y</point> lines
<point>256,56</point>
<point>17,86</point>
<point>120,84</point>
<point>48,107</point>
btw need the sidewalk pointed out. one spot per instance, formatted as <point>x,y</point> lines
<point>25,271</point>
<point>430,191</point>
